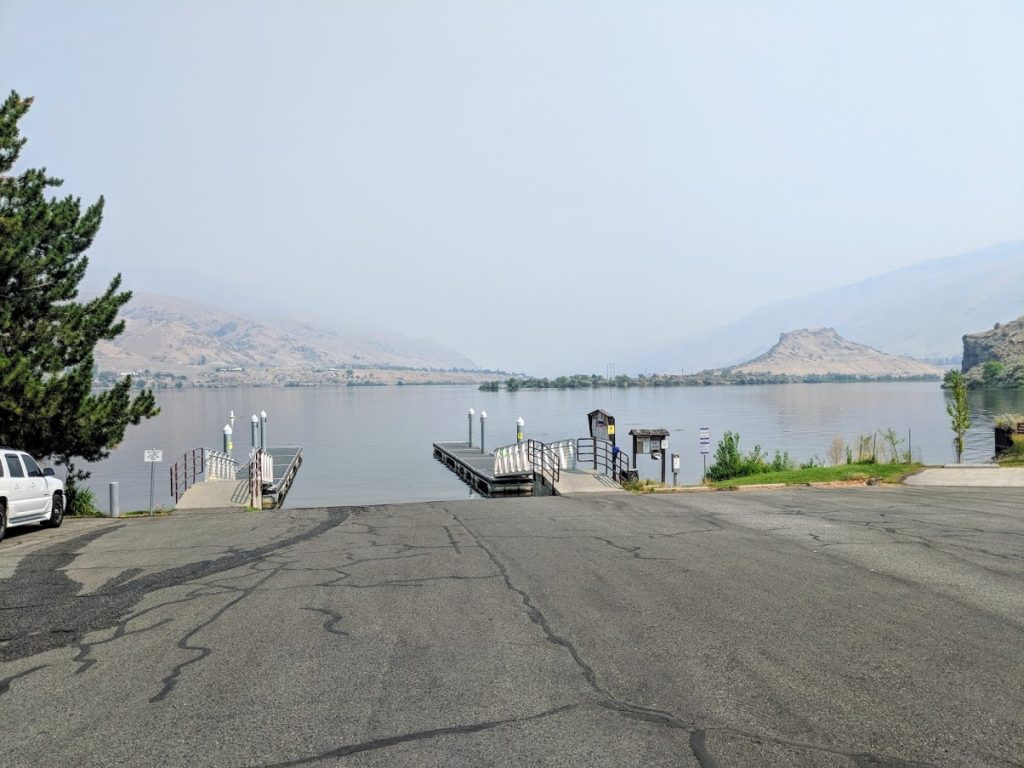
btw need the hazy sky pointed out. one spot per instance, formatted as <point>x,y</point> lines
<point>498,175</point>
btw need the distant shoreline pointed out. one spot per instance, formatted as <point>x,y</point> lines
<point>703,379</point>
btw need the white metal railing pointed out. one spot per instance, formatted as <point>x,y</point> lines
<point>219,466</point>
<point>565,450</point>
<point>267,466</point>
<point>512,460</point>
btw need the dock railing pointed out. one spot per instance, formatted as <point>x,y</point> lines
<point>219,465</point>
<point>531,456</point>
<point>602,457</point>
<point>254,470</point>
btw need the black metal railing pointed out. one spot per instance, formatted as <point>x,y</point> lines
<point>544,461</point>
<point>602,456</point>
<point>186,472</point>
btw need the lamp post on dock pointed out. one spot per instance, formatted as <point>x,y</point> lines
<point>472,413</point>
<point>519,429</point>
<point>263,430</point>
<point>483,420</point>
<point>255,430</point>
<point>228,445</point>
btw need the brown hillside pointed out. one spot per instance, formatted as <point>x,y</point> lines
<point>822,351</point>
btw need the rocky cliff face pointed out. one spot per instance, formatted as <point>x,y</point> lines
<point>1003,343</point>
<point>822,351</point>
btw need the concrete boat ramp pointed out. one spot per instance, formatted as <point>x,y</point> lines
<point>969,476</point>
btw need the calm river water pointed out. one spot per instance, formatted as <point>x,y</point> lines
<point>368,445</point>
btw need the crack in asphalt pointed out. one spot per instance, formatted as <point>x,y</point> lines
<point>171,680</point>
<point>391,741</point>
<point>451,538</point>
<point>333,619</point>
<point>5,683</point>
<point>632,551</point>
<point>57,606</point>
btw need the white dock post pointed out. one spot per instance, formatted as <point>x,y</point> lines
<point>472,413</point>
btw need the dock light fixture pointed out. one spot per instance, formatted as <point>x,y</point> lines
<point>228,445</point>
<point>472,413</point>
<point>255,431</point>
<point>231,419</point>
<point>483,420</point>
<point>519,429</point>
<point>263,430</point>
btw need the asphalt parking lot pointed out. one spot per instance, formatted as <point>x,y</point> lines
<point>841,627</point>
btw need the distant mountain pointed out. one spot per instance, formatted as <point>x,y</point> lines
<point>171,334</point>
<point>822,351</point>
<point>919,311</point>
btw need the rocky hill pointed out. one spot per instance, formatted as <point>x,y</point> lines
<point>170,334</point>
<point>822,351</point>
<point>1003,343</point>
<point>919,311</point>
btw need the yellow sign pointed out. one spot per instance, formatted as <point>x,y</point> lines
<point>611,429</point>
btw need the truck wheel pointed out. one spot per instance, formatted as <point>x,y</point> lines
<point>56,512</point>
<point>3,519</point>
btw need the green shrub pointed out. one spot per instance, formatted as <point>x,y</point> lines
<point>730,461</point>
<point>80,501</point>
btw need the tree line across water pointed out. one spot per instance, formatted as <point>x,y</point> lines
<point>702,379</point>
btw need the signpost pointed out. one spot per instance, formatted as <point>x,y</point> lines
<point>152,456</point>
<point>705,449</point>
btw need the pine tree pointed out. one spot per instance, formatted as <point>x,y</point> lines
<point>48,336</point>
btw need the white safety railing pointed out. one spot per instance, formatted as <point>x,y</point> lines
<point>219,466</point>
<point>565,450</point>
<point>267,466</point>
<point>512,460</point>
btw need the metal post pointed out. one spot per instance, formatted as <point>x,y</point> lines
<point>263,430</point>
<point>910,445</point>
<point>231,419</point>
<point>255,430</point>
<point>704,477</point>
<point>519,429</point>
<point>471,414</point>
<point>152,468</point>
<point>664,448</point>
<point>228,445</point>
<point>675,469</point>
<point>483,421</point>
<point>115,504</point>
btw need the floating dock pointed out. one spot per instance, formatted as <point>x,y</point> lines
<point>476,469</point>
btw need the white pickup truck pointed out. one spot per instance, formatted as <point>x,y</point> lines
<point>28,494</point>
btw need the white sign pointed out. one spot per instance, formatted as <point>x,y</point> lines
<point>705,441</point>
<point>153,455</point>
<point>675,462</point>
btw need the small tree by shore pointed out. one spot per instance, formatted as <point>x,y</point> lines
<point>958,411</point>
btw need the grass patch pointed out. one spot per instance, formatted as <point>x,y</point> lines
<point>1015,456</point>
<point>643,485</point>
<point>157,512</point>
<point>889,473</point>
